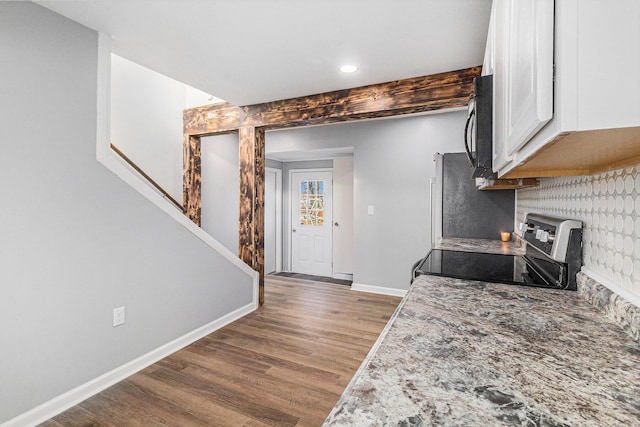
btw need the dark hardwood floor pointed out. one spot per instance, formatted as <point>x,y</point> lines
<point>286,364</point>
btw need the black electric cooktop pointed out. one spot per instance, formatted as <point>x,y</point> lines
<point>496,268</point>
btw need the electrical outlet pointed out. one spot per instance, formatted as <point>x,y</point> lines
<point>118,316</point>
<point>370,210</point>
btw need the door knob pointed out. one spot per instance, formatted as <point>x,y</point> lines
<point>336,224</point>
<point>294,230</point>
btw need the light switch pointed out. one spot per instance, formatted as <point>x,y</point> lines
<point>370,210</point>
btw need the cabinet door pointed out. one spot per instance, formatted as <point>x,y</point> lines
<point>490,49</point>
<point>500,18</point>
<point>529,70</point>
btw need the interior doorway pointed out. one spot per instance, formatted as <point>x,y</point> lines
<point>311,222</point>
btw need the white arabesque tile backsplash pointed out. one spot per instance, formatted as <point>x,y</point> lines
<point>608,204</point>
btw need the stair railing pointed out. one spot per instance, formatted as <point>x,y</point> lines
<point>147,177</point>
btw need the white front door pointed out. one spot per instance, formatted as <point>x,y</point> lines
<point>311,222</point>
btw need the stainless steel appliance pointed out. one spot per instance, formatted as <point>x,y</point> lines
<point>553,257</point>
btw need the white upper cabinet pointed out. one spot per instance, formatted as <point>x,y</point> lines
<point>520,55</point>
<point>528,70</point>
<point>495,57</point>
<point>487,64</point>
<point>588,119</point>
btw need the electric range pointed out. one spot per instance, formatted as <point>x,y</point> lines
<point>552,259</point>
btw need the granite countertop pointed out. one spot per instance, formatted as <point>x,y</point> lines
<point>515,247</point>
<point>469,353</point>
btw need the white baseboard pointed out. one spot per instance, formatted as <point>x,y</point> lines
<point>342,276</point>
<point>378,290</point>
<point>71,398</point>
<point>615,287</point>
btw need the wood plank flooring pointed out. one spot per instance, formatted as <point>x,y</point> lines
<point>286,364</point>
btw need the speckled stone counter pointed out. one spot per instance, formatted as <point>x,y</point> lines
<point>465,353</point>
<point>616,308</point>
<point>514,247</point>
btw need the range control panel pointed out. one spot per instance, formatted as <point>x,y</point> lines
<point>551,235</point>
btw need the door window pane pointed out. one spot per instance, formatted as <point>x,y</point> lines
<point>311,203</point>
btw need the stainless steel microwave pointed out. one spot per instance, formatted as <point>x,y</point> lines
<point>478,132</point>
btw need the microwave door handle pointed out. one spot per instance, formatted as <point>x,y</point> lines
<point>467,144</point>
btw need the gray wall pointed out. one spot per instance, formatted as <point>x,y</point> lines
<point>393,162</point>
<point>75,240</point>
<point>146,121</point>
<point>221,188</point>
<point>468,212</point>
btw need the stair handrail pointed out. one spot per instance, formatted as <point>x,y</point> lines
<point>157,186</point>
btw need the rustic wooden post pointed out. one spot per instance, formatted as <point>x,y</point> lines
<point>251,220</point>
<point>192,173</point>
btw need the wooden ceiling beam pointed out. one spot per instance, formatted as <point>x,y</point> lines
<point>414,95</point>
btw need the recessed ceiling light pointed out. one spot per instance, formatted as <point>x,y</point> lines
<point>348,68</point>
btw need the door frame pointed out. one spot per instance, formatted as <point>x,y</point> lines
<point>278,173</point>
<point>290,196</point>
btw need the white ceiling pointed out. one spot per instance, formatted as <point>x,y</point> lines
<point>252,51</point>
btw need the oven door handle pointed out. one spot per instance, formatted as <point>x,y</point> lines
<point>533,268</point>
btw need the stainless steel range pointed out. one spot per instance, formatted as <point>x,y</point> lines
<point>553,257</point>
